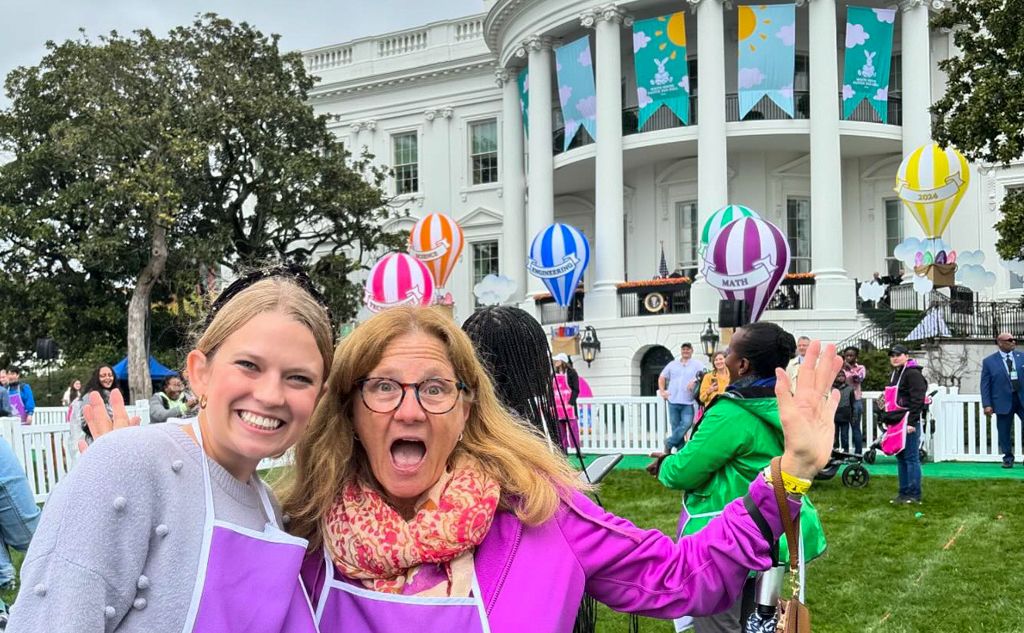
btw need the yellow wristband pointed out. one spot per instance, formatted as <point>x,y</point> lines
<point>793,485</point>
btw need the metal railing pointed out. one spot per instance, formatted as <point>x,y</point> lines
<point>551,312</point>
<point>671,298</point>
<point>793,294</point>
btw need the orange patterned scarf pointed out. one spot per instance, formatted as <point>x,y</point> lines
<point>370,541</point>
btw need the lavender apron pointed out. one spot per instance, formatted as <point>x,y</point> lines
<point>248,581</point>
<point>17,404</point>
<point>348,608</point>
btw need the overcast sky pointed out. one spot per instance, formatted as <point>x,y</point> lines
<point>26,25</point>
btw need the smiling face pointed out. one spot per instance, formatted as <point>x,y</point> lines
<point>719,362</point>
<point>173,388</point>
<point>408,448</point>
<point>106,377</point>
<point>261,385</point>
<point>1006,343</point>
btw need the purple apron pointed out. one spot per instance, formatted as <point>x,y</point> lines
<point>248,581</point>
<point>347,608</point>
<point>17,404</point>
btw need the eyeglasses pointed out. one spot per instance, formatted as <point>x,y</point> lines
<point>1007,340</point>
<point>436,395</point>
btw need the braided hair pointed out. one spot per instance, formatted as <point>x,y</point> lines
<point>513,348</point>
<point>767,347</point>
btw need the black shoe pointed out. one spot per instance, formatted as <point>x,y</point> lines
<point>897,499</point>
<point>910,500</point>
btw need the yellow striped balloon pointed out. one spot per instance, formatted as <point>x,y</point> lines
<point>931,182</point>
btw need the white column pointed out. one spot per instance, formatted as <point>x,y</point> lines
<point>541,175</point>
<point>513,176</point>
<point>436,175</point>
<point>712,157</point>
<point>833,289</point>
<point>917,98</point>
<point>609,249</point>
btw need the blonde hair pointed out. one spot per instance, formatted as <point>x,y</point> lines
<point>533,479</point>
<point>273,294</point>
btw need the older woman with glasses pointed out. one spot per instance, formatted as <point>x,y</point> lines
<point>429,507</point>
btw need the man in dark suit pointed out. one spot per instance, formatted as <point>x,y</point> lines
<point>1002,390</point>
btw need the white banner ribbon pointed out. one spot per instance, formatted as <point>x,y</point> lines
<point>569,264</point>
<point>438,251</point>
<point>948,190</point>
<point>412,299</point>
<point>743,281</point>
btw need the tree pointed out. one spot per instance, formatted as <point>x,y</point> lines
<point>133,153</point>
<point>982,111</point>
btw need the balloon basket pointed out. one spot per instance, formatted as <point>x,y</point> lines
<point>941,275</point>
<point>565,339</point>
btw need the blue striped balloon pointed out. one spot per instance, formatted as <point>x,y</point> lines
<point>558,256</point>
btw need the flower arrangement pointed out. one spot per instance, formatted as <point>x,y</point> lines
<point>654,283</point>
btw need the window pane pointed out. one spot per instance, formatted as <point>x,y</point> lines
<point>484,151</point>
<point>485,137</point>
<point>798,225</point>
<point>485,262</point>
<point>686,225</point>
<point>406,163</point>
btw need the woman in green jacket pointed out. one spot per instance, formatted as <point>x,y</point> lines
<point>736,439</point>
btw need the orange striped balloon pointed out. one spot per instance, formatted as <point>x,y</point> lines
<point>437,241</point>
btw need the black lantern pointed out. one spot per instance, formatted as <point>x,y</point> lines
<point>589,344</point>
<point>709,339</point>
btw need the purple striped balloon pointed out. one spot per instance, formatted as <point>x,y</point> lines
<point>748,259</point>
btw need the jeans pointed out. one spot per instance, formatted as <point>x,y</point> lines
<point>1004,426</point>
<point>845,429</point>
<point>680,417</point>
<point>19,513</point>
<point>909,465</point>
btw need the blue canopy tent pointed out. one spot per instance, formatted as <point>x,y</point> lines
<point>156,370</point>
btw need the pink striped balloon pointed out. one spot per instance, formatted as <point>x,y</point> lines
<point>437,241</point>
<point>747,260</point>
<point>398,279</point>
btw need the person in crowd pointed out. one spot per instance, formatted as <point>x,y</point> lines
<point>5,400</point>
<point>738,436</point>
<point>716,381</point>
<point>844,413</point>
<point>428,505</point>
<point>22,402</point>
<point>170,402</point>
<point>72,393</point>
<point>793,368</point>
<point>855,374</point>
<point>566,387</point>
<point>101,382</point>
<point>167,528</point>
<point>19,516</point>
<point>1002,391</point>
<point>681,376</point>
<point>512,347</point>
<point>910,388</point>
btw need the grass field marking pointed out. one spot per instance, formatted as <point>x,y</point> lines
<point>959,531</point>
<point>928,564</point>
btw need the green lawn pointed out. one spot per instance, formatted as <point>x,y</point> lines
<point>959,567</point>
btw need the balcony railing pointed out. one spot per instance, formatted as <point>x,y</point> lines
<point>551,312</point>
<point>795,293</point>
<point>765,110</point>
<point>668,296</point>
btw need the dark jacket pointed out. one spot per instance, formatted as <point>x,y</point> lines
<point>913,388</point>
<point>844,412</point>
<point>573,379</point>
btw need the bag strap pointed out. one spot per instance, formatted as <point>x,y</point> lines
<point>791,527</point>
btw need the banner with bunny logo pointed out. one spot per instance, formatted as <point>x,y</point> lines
<point>868,54</point>
<point>659,55</point>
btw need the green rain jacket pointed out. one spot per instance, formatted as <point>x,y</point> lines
<point>736,439</point>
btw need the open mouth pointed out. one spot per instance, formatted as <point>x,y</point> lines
<point>407,454</point>
<point>259,422</point>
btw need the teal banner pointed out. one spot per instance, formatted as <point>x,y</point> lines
<point>659,54</point>
<point>576,92</point>
<point>767,55</point>
<point>524,97</point>
<point>868,55</point>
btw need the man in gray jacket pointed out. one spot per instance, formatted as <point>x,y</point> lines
<point>171,402</point>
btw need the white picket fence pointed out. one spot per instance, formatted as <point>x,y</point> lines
<point>47,453</point>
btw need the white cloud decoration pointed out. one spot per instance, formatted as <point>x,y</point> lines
<point>975,276</point>
<point>922,285</point>
<point>494,290</point>
<point>871,291</point>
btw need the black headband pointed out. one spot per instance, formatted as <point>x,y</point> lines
<point>291,272</point>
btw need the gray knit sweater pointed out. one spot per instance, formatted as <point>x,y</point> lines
<point>94,567</point>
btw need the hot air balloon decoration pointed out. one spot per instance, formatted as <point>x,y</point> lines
<point>931,182</point>
<point>437,241</point>
<point>398,279</point>
<point>747,260</point>
<point>719,219</point>
<point>558,256</point>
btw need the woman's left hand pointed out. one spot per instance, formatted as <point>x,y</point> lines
<point>99,422</point>
<point>807,415</point>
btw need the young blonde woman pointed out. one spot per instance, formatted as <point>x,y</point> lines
<point>167,528</point>
<point>429,507</point>
<point>716,381</point>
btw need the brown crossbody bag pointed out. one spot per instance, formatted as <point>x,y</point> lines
<point>793,614</point>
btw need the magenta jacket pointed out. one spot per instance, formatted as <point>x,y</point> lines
<point>533,578</point>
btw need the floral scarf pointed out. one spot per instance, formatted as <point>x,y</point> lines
<point>430,555</point>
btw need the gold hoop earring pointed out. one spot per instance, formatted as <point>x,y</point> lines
<point>202,401</point>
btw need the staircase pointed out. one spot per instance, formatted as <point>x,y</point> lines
<point>886,328</point>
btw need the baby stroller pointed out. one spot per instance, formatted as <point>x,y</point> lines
<point>855,475</point>
<point>926,425</point>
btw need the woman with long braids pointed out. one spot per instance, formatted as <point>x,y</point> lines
<point>739,434</point>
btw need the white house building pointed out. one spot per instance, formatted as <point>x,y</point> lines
<point>440,104</point>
